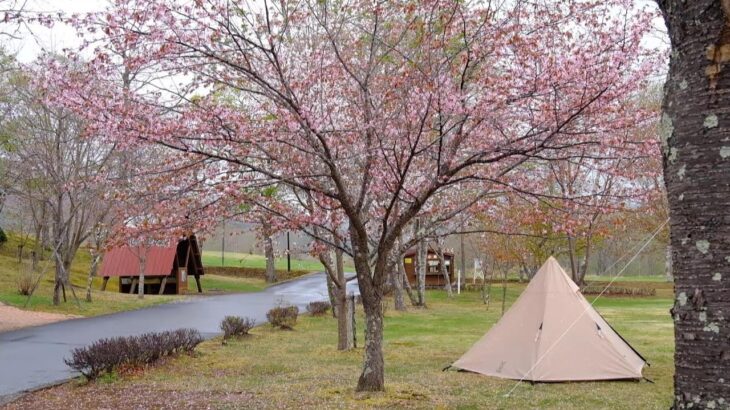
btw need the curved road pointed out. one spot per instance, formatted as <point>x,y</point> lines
<point>33,357</point>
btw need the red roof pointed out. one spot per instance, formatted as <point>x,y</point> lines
<point>124,261</point>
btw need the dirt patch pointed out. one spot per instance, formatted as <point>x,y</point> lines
<point>12,318</point>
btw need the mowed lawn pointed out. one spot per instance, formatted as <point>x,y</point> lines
<point>301,368</point>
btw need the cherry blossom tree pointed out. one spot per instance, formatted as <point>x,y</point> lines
<point>377,113</point>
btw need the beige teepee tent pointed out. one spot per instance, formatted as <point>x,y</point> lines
<point>551,333</point>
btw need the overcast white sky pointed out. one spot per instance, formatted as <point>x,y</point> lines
<point>60,36</point>
<point>55,39</point>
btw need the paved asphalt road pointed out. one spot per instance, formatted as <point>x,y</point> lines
<point>33,357</point>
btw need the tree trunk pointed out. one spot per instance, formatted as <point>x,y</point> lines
<point>370,282</point>
<point>336,275</point>
<point>421,273</point>
<point>142,266</point>
<point>586,260</point>
<point>486,287</point>
<point>345,327</point>
<point>443,269</point>
<point>95,259</point>
<point>345,324</point>
<point>59,288</point>
<point>571,251</point>
<point>504,289</point>
<point>695,132</point>
<point>399,274</point>
<point>269,252</point>
<point>331,295</point>
<point>372,377</point>
<point>668,263</point>
<point>462,254</point>
<point>407,283</point>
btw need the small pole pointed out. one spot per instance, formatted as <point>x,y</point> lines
<point>288,254</point>
<point>352,312</point>
<point>458,281</point>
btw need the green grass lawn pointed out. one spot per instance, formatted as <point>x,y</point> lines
<point>302,369</point>
<point>246,260</point>
<point>226,284</point>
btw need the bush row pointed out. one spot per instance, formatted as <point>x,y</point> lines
<point>618,291</point>
<point>105,355</point>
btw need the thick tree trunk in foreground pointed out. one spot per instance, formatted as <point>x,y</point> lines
<point>696,136</point>
<point>371,281</point>
<point>372,377</point>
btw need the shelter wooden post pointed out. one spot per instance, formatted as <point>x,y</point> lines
<point>162,285</point>
<point>103,284</point>
<point>133,286</point>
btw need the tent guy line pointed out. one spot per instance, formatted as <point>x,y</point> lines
<point>539,359</point>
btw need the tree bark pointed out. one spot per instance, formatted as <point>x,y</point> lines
<point>399,274</point>
<point>95,259</point>
<point>336,275</point>
<point>345,324</point>
<point>372,377</point>
<point>695,132</point>
<point>668,263</point>
<point>421,273</point>
<point>269,252</point>
<point>571,251</point>
<point>59,288</point>
<point>586,260</point>
<point>331,294</point>
<point>142,266</point>
<point>407,283</point>
<point>443,269</point>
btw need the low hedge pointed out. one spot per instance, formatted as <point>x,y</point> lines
<point>106,355</point>
<point>283,317</point>
<point>233,326</point>
<point>618,291</point>
<point>318,308</point>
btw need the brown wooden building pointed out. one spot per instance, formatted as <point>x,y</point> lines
<point>167,268</point>
<point>433,267</point>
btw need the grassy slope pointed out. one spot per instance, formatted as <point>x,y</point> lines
<point>276,369</point>
<point>103,302</point>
